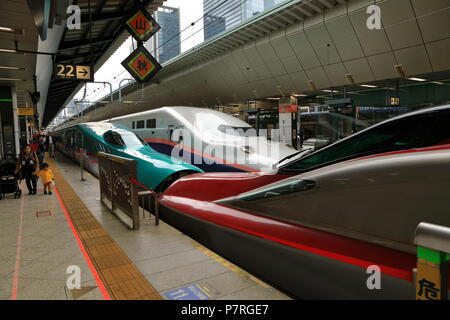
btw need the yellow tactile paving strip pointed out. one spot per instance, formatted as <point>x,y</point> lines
<point>121,278</point>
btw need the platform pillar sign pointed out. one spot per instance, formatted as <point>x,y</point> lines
<point>433,247</point>
<point>140,63</point>
<point>432,274</point>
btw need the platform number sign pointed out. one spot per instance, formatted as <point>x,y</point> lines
<point>141,25</point>
<point>394,101</point>
<point>73,72</point>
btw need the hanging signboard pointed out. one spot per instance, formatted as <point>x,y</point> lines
<point>73,72</point>
<point>25,111</point>
<point>393,101</point>
<point>141,25</point>
<point>141,65</point>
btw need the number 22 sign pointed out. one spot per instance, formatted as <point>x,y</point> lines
<point>73,72</point>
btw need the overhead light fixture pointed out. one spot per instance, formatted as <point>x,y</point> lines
<point>311,85</point>
<point>329,91</point>
<point>10,68</point>
<point>400,71</point>
<point>8,50</point>
<point>417,79</point>
<point>299,95</point>
<point>11,30</point>
<point>273,98</point>
<point>350,78</point>
<point>368,86</point>
<point>7,29</point>
<point>438,82</point>
<point>11,79</point>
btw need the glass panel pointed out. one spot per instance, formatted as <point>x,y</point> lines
<point>281,188</point>
<point>412,132</point>
<point>151,123</point>
<point>140,124</point>
<point>131,140</point>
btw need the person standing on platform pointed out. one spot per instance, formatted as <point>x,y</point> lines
<point>27,164</point>
<point>50,146</point>
<point>41,150</point>
<point>34,145</point>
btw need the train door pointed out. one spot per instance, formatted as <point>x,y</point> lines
<point>170,130</point>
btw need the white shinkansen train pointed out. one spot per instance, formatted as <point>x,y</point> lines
<point>209,139</point>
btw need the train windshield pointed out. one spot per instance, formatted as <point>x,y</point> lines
<point>218,125</point>
<point>123,139</point>
<point>238,131</point>
<point>417,131</point>
<point>131,140</point>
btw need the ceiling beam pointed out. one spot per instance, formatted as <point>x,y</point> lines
<point>305,11</point>
<point>97,17</point>
<point>326,4</point>
<point>60,58</point>
<point>66,45</point>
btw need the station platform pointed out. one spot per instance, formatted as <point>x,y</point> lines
<point>46,241</point>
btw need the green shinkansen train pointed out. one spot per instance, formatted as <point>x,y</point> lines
<point>155,170</point>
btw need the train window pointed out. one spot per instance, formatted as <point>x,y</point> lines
<point>238,131</point>
<point>132,140</point>
<point>133,124</point>
<point>113,138</point>
<point>140,124</point>
<point>151,123</point>
<point>279,189</point>
<point>412,132</point>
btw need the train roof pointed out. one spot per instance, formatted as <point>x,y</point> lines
<point>189,114</point>
<point>98,127</point>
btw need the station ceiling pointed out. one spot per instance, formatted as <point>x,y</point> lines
<point>303,47</point>
<point>107,24</point>
<point>17,69</point>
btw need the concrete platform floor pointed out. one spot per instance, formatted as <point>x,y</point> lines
<point>175,265</point>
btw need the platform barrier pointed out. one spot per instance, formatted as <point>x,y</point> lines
<point>119,189</point>
<point>433,248</point>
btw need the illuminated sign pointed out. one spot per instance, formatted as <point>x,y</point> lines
<point>393,101</point>
<point>25,111</point>
<point>141,25</point>
<point>74,72</point>
<point>141,65</point>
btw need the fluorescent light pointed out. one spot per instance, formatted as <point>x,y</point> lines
<point>7,29</point>
<point>326,90</point>
<point>11,79</point>
<point>273,98</point>
<point>438,82</point>
<point>11,68</point>
<point>368,86</point>
<point>299,95</point>
<point>8,50</point>
<point>417,79</point>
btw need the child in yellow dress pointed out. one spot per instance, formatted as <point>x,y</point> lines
<point>47,177</point>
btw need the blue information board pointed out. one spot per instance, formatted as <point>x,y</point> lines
<point>192,292</point>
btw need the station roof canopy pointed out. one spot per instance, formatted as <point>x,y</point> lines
<point>107,23</point>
